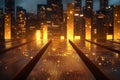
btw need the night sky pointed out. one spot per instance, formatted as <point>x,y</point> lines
<point>32,4</point>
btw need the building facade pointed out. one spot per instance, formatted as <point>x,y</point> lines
<point>21,22</point>
<point>42,12</point>
<point>10,10</point>
<point>70,21</point>
<point>116,22</point>
<point>88,9</point>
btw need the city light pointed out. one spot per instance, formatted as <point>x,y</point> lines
<point>77,37</point>
<point>70,22</point>
<point>7,26</point>
<point>88,29</point>
<point>59,40</point>
<point>62,37</point>
<point>116,22</point>
<point>45,31</point>
<point>38,34</point>
<point>81,15</point>
<point>76,14</point>
<point>109,37</point>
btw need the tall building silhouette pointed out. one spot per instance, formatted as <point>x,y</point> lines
<point>116,22</point>
<point>10,10</point>
<point>54,17</point>
<point>42,12</point>
<point>70,21</point>
<point>77,18</point>
<point>55,11</point>
<point>21,22</point>
<point>88,9</point>
<point>77,5</point>
<point>103,4</point>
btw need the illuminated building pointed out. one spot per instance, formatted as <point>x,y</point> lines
<point>82,27</point>
<point>88,9</point>
<point>54,18</point>
<point>64,26</point>
<point>32,24</point>
<point>116,24</point>
<point>10,10</point>
<point>44,31</point>
<point>108,22</point>
<point>1,25</point>
<point>38,34</point>
<point>113,22</point>
<point>55,11</point>
<point>7,26</point>
<point>70,21</point>
<point>100,28</point>
<point>77,20</point>
<point>42,12</point>
<point>88,28</point>
<point>21,22</point>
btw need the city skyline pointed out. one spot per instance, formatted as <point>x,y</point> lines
<point>34,4</point>
<point>76,43</point>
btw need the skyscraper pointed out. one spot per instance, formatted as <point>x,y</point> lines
<point>88,9</point>
<point>116,22</point>
<point>77,5</point>
<point>103,4</point>
<point>55,12</point>
<point>10,6</point>
<point>42,12</point>
<point>10,10</point>
<point>77,18</point>
<point>70,21</point>
<point>54,17</point>
<point>21,22</point>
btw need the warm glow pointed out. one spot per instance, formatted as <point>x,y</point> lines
<point>88,45</point>
<point>45,32</point>
<point>71,12</point>
<point>116,22</point>
<point>76,14</point>
<point>70,22</point>
<point>77,37</point>
<point>62,37</point>
<point>38,34</point>
<point>81,15</point>
<point>88,29</point>
<point>109,37</point>
<point>7,26</point>
<point>69,46</point>
<point>54,49</point>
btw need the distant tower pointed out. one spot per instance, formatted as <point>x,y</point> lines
<point>70,21</point>
<point>42,12</point>
<point>103,4</point>
<point>21,22</point>
<point>89,4</point>
<point>77,19</point>
<point>88,9</point>
<point>10,10</point>
<point>54,17</point>
<point>55,11</point>
<point>77,5</point>
<point>116,22</point>
<point>10,7</point>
